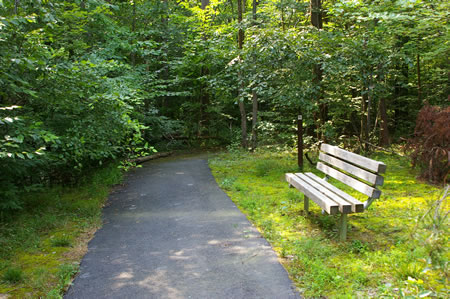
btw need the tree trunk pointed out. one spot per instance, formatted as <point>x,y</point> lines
<point>316,13</point>
<point>367,128</point>
<point>384,130</point>
<point>241,32</point>
<point>316,21</point>
<point>165,23</point>
<point>243,124</point>
<point>133,29</point>
<point>364,127</point>
<point>204,97</point>
<point>241,102</point>
<point>254,119</point>
<point>369,108</point>
<point>254,94</point>
<point>419,84</point>
<point>205,3</point>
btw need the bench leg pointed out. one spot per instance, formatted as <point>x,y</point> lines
<point>306,205</point>
<point>343,227</point>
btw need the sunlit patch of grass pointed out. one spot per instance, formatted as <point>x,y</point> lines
<point>383,256</point>
<point>47,239</point>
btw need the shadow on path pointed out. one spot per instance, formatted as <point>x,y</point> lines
<point>171,232</point>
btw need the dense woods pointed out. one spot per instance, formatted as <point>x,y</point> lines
<point>86,81</point>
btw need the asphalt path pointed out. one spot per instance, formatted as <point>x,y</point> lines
<point>171,232</point>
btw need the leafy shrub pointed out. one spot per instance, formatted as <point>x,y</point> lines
<point>431,143</point>
<point>228,183</point>
<point>358,247</point>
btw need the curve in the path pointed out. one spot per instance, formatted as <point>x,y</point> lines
<point>171,232</point>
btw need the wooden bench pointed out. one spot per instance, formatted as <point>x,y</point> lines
<point>358,172</point>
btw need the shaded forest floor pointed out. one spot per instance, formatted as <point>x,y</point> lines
<point>398,247</point>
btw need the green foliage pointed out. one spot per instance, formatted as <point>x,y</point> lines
<point>61,241</point>
<point>13,275</point>
<point>49,237</point>
<point>85,82</point>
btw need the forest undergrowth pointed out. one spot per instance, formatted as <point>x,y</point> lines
<point>398,247</point>
<point>41,245</point>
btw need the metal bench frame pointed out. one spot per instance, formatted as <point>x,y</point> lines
<point>358,172</point>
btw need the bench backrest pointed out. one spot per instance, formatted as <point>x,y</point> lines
<point>358,172</point>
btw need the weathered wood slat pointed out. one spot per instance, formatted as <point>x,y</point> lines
<point>324,202</point>
<point>357,206</point>
<point>364,162</point>
<point>344,206</point>
<point>355,184</point>
<point>356,171</point>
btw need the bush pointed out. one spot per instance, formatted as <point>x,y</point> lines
<point>431,143</point>
<point>13,275</point>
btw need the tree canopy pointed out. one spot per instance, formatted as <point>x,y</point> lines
<point>87,81</point>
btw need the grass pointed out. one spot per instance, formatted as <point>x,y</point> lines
<point>397,248</point>
<point>42,245</point>
<point>12,275</point>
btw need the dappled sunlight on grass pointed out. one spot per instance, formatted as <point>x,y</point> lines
<point>383,256</point>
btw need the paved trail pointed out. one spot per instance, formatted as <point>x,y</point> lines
<point>170,232</point>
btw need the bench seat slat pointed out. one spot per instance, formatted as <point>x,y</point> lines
<point>372,165</point>
<point>357,206</point>
<point>323,201</point>
<point>344,206</point>
<point>356,171</point>
<point>355,184</point>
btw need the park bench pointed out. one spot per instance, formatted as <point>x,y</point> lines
<point>358,172</point>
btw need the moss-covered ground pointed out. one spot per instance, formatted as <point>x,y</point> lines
<point>41,245</point>
<point>397,248</point>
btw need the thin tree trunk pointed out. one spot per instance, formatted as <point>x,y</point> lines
<point>254,94</point>
<point>369,108</point>
<point>419,83</point>
<point>204,97</point>
<point>363,118</point>
<point>243,124</point>
<point>367,128</point>
<point>16,6</point>
<point>241,32</point>
<point>384,130</point>
<point>241,102</point>
<point>133,29</point>
<point>254,119</point>
<point>316,21</point>
<point>165,23</point>
<point>316,13</point>
<point>205,3</point>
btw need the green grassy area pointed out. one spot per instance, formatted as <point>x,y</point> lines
<point>42,245</point>
<point>397,248</point>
